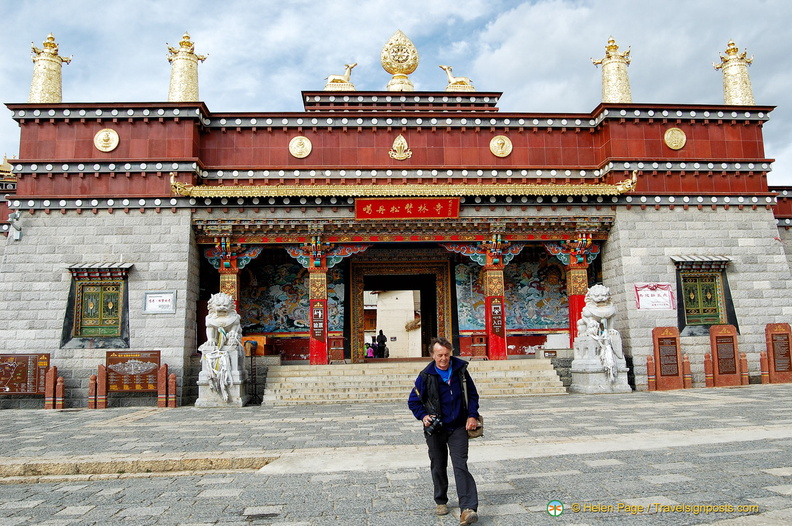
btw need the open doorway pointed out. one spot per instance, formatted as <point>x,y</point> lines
<point>405,309</point>
<point>416,306</point>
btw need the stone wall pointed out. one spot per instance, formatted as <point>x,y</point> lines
<point>35,283</point>
<point>640,247</point>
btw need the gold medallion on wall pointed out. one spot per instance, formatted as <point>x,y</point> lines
<point>300,147</point>
<point>675,138</point>
<point>106,140</point>
<point>500,146</point>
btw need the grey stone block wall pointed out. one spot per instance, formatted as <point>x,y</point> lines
<point>640,247</point>
<point>35,283</point>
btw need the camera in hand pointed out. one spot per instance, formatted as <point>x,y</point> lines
<point>434,426</point>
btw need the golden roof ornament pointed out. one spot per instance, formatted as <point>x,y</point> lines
<point>6,169</point>
<point>184,71</point>
<point>341,82</point>
<point>457,83</point>
<point>47,84</point>
<point>399,58</point>
<point>615,81</point>
<point>736,81</point>
<point>400,150</point>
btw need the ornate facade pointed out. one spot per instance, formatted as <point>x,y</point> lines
<point>501,220</point>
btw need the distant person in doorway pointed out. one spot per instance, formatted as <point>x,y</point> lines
<point>381,341</point>
<point>445,399</point>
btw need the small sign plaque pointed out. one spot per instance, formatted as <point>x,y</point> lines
<point>23,373</point>
<point>159,302</point>
<point>727,360</point>
<point>667,356</point>
<point>777,338</point>
<point>725,355</point>
<point>132,371</point>
<point>654,296</point>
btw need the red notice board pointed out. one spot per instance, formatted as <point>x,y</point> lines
<point>23,373</point>
<point>132,371</point>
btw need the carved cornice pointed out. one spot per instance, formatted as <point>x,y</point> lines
<point>399,190</point>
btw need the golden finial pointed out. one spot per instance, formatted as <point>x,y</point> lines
<point>399,58</point>
<point>615,81</point>
<point>47,83</point>
<point>737,88</point>
<point>5,167</point>
<point>184,71</point>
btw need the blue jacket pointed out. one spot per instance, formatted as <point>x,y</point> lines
<point>451,397</point>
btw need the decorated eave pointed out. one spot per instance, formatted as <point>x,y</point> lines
<point>285,231</point>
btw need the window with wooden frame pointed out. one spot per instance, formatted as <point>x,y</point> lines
<point>97,313</point>
<point>703,297</point>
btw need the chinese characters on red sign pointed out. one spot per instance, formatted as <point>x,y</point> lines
<point>407,208</point>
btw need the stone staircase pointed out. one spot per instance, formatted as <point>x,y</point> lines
<point>392,381</point>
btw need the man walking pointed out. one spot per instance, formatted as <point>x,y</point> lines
<point>446,401</point>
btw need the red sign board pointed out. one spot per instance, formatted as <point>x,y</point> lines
<point>23,373</point>
<point>132,370</point>
<point>407,208</point>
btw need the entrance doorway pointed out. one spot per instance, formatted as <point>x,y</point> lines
<point>426,280</point>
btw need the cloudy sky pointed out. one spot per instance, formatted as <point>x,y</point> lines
<point>263,53</point>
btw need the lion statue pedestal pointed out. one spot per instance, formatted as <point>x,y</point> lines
<point>599,365</point>
<point>222,381</point>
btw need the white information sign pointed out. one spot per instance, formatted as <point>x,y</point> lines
<point>159,302</point>
<point>655,296</point>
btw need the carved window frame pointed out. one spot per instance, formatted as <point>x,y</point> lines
<point>707,272</point>
<point>97,312</point>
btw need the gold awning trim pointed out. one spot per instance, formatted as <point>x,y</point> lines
<point>398,190</point>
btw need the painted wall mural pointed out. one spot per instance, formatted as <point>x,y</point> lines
<point>534,292</point>
<point>274,299</point>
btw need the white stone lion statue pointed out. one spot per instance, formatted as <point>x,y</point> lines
<point>595,337</point>
<point>222,351</point>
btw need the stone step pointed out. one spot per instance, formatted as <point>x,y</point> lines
<point>392,381</point>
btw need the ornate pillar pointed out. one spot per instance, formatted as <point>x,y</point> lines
<point>492,255</point>
<point>615,82</point>
<point>47,84</point>
<point>319,354</point>
<point>184,71</point>
<point>576,255</point>
<point>313,256</point>
<point>736,82</point>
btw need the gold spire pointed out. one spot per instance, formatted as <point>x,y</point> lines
<point>184,71</point>
<point>615,81</point>
<point>5,169</point>
<point>399,58</point>
<point>736,82</point>
<point>47,84</point>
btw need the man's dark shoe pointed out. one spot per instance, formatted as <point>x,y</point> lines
<point>468,517</point>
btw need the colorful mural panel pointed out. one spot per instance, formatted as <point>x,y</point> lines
<point>534,292</point>
<point>274,299</point>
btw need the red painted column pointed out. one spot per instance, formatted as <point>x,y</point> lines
<point>577,287</point>
<point>495,316</point>
<point>318,315</point>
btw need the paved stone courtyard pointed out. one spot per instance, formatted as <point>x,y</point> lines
<point>601,456</point>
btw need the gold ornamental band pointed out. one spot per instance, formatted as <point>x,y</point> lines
<point>396,190</point>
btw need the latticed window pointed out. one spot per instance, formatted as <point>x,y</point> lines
<point>703,298</point>
<point>97,308</point>
<point>97,312</point>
